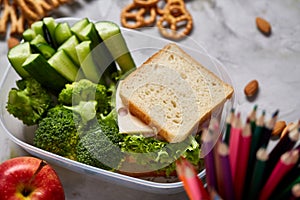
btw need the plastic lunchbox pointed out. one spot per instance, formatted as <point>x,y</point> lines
<point>141,46</point>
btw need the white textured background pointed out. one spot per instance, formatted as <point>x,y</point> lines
<point>227,30</point>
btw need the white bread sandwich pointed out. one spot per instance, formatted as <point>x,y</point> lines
<point>173,93</point>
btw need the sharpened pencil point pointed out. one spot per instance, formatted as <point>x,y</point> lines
<point>248,120</point>
<point>275,113</point>
<point>255,107</point>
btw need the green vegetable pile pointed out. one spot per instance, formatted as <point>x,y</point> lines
<point>68,80</point>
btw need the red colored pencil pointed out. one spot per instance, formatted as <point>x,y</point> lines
<point>242,157</point>
<point>234,143</point>
<point>285,164</point>
<point>191,182</point>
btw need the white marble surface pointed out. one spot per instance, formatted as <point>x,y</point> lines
<point>227,30</point>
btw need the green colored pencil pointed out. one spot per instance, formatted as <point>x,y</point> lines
<point>258,173</point>
<point>256,138</point>
<point>229,120</point>
<point>285,192</point>
<point>252,117</point>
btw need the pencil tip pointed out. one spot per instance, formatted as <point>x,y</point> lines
<point>275,113</point>
<point>248,120</point>
<point>232,110</point>
<point>255,107</point>
<point>263,112</point>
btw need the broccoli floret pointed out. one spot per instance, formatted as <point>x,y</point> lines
<point>99,145</point>
<point>57,132</point>
<point>94,143</point>
<point>29,102</point>
<point>85,109</point>
<point>85,90</point>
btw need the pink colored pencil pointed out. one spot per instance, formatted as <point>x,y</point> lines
<point>285,164</point>
<point>234,143</point>
<point>242,157</point>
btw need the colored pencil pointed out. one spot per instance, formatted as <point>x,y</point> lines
<point>229,120</point>
<point>214,129</point>
<point>290,126</point>
<point>219,170</point>
<point>255,144</point>
<point>242,165</point>
<point>214,195</point>
<point>285,187</point>
<point>256,137</point>
<point>252,118</point>
<point>268,129</point>
<point>257,175</point>
<point>285,144</point>
<point>242,157</point>
<point>295,193</point>
<point>225,176</point>
<point>209,162</point>
<point>234,144</point>
<point>285,164</point>
<point>191,182</point>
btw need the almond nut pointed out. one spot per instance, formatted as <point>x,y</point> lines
<point>251,88</point>
<point>278,128</point>
<point>263,25</point>
<point>12,42</point>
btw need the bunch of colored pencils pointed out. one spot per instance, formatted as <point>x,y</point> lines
<point>240,163</point>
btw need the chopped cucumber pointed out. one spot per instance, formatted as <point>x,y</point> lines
<point>28,35</point>
<point>87,64</point>
<point>78,26</point>
<point>38,67</point>
<point>37,27</point>
<point>100,54</point>
<point>69,47</point>
<point>46,50</point>
<point>89,32</point>
<point>116,44</point>
<point>64,65</point>
<point>38,40</point>
<point>62,33</point>
<point>17,56</point>
<point>50,25</point>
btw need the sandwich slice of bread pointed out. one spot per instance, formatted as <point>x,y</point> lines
<point>173,93</point>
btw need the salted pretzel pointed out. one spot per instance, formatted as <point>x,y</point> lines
<point>36,9</point>
<point>31,9</point>
<point>135,16</point>
<point>160,7</point>
<point>17,20</point>
<point>5,16</point>
<point>146,3</point>
<point>22,13</point>
<point>176,22</point>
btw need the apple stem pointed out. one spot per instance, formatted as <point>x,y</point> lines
<point>42,164</point>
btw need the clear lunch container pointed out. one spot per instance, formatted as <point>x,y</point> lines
<point>141,46</point>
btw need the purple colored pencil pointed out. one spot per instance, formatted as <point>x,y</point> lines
<point>226,177</point>
<point>208,153</point>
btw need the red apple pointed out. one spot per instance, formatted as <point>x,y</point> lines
<point>29,178</point>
